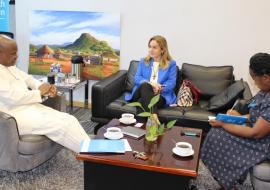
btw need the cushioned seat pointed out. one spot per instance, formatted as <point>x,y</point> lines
<point>119,106</point>
<point>262,171</point>
<point>33,144</point>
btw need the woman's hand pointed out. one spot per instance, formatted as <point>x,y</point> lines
<point>156,88</point>
<point>233,112</point>
<point>216,123</point>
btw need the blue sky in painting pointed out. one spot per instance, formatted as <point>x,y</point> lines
<point>62,27</point>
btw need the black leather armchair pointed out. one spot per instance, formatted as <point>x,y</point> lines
<point>108,95</point>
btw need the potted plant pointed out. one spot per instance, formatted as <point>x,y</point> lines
<point>153,127</point>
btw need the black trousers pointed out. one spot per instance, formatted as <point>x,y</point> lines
<point>144,94</point>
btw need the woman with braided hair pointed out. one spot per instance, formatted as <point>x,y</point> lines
<point>230,150</point>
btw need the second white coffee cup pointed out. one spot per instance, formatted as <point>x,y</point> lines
<point>113,132</point>
<point>183,147</point>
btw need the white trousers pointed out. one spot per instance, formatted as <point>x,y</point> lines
<point>58,126</point>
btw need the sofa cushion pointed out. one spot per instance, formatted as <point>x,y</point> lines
<point>210,80</point>
<point>119,106</point>
<point>195,116</point>
<point>33,144</point>
<point>130,75</point>
<point>226,99</point>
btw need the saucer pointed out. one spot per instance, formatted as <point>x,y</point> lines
<point>119,136</point>
<point>127,122</point>
<point>181,154</point>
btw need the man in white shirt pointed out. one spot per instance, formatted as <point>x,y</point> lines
<point>25,105</point>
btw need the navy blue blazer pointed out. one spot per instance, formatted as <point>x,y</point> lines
<point>166,77</point>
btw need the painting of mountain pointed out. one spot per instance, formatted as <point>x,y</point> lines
<point>56,36</point>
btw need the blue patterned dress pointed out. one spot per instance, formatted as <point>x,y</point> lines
<point>229,157</point>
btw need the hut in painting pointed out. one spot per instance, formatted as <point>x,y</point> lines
<point>45,52</point>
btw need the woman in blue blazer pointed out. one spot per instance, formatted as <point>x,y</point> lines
<point>156,74</point>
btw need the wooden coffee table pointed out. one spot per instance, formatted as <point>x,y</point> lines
<point>163,169</point>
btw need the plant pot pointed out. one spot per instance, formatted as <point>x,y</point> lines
<point>151,129</point>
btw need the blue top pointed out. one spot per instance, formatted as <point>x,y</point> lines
<point>166,77</point>
<point>260,107</point>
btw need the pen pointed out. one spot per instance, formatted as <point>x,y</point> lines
<point>189,133</point>
<point>235,103</point>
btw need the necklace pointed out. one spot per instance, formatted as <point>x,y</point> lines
<point>155,68</point>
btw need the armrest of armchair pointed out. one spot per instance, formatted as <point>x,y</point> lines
<point>107,90</point>
<point>57,102</point>
<point>9,138</point>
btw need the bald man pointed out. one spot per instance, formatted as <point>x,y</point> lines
<point>25,105</point>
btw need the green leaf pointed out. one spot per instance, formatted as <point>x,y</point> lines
<point>153,101</point>
<point>161,129</point>
<point>171,124</point>
<point>144,114</point>
<point>136,104</point>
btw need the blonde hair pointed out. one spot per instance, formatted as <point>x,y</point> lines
<point>165,55</point>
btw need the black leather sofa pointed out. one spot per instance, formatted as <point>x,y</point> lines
<point>108,95</point>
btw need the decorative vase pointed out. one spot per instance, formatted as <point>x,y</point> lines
<point>151,129</point>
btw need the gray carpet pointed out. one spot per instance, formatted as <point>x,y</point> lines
<point>64,172</point>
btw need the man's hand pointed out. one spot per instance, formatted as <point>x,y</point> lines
<point>47,89</point>
<point>44,89</point>
<point>53,91</point>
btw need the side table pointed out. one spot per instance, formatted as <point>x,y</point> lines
<point>71,87</point>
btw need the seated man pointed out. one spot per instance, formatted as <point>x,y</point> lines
<point>24,105</point>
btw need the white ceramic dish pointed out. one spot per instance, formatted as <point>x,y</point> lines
<point>114,137</point>
<point>175,151</point>
<point>127,122</point>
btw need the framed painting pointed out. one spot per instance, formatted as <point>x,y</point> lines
<point>56,36</point>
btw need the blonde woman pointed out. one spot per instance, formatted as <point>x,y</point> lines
<point>156,74</point>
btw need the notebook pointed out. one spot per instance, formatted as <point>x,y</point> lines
<point>133,132</point>
<point>103,146</point>
<point>239,120</point>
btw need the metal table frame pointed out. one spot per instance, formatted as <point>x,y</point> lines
<point>71,88</point>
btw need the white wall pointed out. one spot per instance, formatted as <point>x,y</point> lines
<point>208,32</point>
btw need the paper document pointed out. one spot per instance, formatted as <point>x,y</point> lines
<point>103,146</point>
<point>127,145</point>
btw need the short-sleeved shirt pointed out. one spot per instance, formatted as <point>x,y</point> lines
<point>260,107</point>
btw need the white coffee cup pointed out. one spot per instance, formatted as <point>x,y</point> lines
<point>113,132</point>
<point>183,147</point>
<point>128,116</point>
